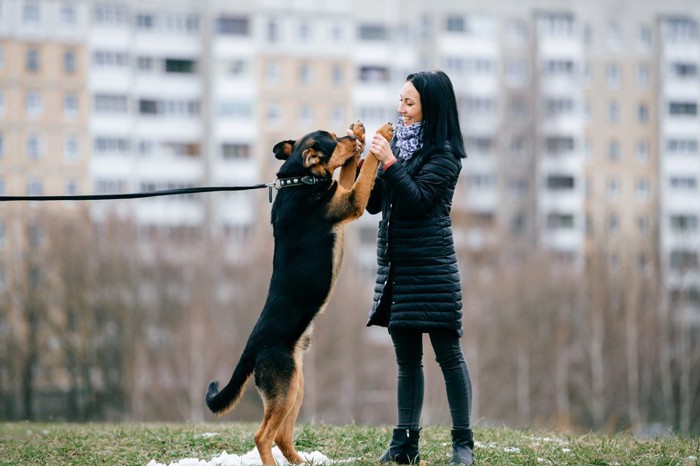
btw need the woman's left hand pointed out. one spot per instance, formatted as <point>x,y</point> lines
<point>381,149</point>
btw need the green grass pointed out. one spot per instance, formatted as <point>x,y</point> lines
<point>137,444</point>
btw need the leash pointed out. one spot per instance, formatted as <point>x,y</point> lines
<point>277,184</point>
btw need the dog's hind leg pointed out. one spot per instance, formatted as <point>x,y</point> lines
<point>285,434</point>
<point>277,380</point>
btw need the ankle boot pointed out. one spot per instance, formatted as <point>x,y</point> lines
<point>403,448</point>
<point>462,447</point>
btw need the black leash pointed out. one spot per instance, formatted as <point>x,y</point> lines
<point>277,184</point>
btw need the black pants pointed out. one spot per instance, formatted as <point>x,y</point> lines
<point>408,345</point>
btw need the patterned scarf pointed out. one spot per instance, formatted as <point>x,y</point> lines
<point>408,139</point>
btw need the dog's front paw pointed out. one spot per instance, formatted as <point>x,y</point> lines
<point>387,131</point>
<point>358,129</point>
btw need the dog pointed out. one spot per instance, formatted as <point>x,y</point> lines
<point>308,218</point>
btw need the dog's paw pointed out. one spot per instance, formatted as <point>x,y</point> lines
<point>358,129</point>
<point>387,131</point>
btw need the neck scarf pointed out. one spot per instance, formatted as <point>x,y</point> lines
<point>408,139</point>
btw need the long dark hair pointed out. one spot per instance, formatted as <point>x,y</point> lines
<point>440,115</point>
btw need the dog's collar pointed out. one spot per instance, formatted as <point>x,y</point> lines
<point>308,180</point>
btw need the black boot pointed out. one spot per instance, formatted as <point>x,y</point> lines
<point>462,447</point>
<point>403,448</point>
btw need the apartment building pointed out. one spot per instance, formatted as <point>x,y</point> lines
<point>43,117</point>
<point>580,121</point>
<point>679,167</point>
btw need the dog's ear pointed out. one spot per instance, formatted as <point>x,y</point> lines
<point>311,157</point>
<point>283,149</point>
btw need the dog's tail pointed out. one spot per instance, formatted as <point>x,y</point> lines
<point>221,402</point>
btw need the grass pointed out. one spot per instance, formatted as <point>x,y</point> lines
<point>137,444</point>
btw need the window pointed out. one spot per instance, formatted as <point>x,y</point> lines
<point>110,59</point>
<point>613,188</point>
<point>233,26</point>
<point>374,74</point>
<point>559,107</point>
<point>613,112</point>
<point>480,144</point>
<point>684,223</point>
<point>684,70</point>
<point>30,14</point>
<point>70,105</point>
<point>683,183</point>
<point>273,74</point>
<point>111,14</point>
<point>69,62</point>
<point>642,151</point>
<point>561,68</point>
<point>516,72</point>
<point>455,23</point>
<point>686,146</point>
<point>373,32</point>
<point>111,145</point>
<point>642,113</point>
<point>560,221</point>
<point>145,22</point>
<point>70,188</point>
<point>642,189</point>
<point>613,37</point>
<point>559,144</point>
<point>517,32</point>
<point>560,182</point>
<point>683,108</point>
<point>614,150</point>
<point>613,223</point>
<point>273,115</point>
<point>304,31</point>
<point>683,260</point>
<point>35,187</point>
<point>32,60</point>
<point>69,15</point>
<point>235,109</point>
<point>681,30</point>
<point>557,25</point>
<point>32,104</point>
<point>337,76</point>
<point>305,74</point>
<point>235,151</point>
<point>110,103</point>
<point>33,145</point>
<point>613,75</point>
<point>173,65</point>
<point>70,148</point>
<point>182,149</point>
<point>644,37</point>
<point>306,115</point>
<point>272,31</point>
<point>643,76</point>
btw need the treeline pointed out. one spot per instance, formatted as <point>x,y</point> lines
<point>112,322</point>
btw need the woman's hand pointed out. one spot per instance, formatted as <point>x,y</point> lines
<point>381,149</point>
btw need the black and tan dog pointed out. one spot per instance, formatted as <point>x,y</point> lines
<point>308,222</point>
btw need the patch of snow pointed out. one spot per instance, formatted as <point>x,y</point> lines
<point>252,458</point>
<point>511,450</point>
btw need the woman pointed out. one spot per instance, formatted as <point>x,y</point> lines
<point>418,286</point>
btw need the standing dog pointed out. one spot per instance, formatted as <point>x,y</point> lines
<point>308,218</point>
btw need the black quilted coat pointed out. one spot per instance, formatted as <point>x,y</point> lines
<point>418,283</point>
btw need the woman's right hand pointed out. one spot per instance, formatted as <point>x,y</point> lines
<point>381,149</point>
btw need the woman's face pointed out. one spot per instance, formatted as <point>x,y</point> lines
<point>409,105</point>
